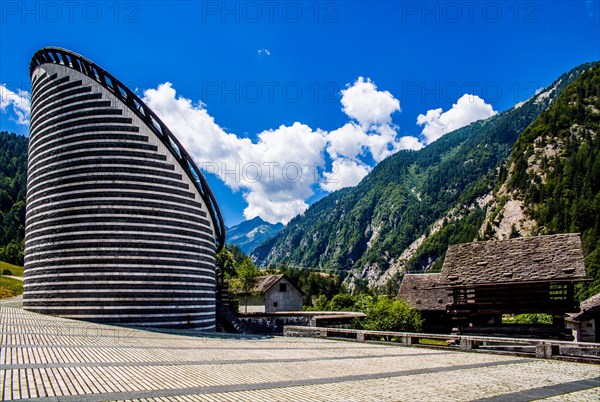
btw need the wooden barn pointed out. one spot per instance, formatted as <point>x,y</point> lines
<point>425,293</point>
<point>516,276</point>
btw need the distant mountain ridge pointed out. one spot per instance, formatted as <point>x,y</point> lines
<point>402,216</point>
<point>249,234</point>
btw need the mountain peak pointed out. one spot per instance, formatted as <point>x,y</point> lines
<point>248,235</point>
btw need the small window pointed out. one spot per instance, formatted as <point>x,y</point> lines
<point>283,287</point>
<point>275,304</point>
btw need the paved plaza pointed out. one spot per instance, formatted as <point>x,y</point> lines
<point>52,359</point>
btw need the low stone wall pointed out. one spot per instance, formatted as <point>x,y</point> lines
<point>541,348</point>
<point>265,323</point>
<point>273,323</point>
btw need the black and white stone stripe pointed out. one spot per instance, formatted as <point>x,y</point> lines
<point>116,231</point>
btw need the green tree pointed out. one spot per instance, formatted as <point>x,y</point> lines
<point>226,261</point>
<point>387,314</point>
<point>320,304</point>
<point>13,179</point>
<point>245,280</point>
<point>342,302</point>
<point>362,302</point>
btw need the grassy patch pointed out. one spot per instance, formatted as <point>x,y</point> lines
<point>436,342</point>
<point>10,287</point>
<point>15,269</point>
<point>527,319</point>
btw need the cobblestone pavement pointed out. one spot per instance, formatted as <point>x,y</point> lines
<point>46,358</point>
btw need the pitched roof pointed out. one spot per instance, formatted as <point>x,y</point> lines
<point>588,307</point>
<point>265,282</point>
<point>424,292</point>
<point>528,259</point>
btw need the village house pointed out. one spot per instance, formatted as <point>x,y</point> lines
<point>586,323</point>
<point>425,293</point>
<point>525,275</point>
<point>270,294</point>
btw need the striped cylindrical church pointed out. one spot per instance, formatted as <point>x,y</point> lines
<point>121,225</point>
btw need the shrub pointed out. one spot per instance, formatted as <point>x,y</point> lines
<point>386,314</point>
<point>533,319</point>
<point>341,302</point>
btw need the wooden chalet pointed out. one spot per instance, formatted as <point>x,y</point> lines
<point>516,276</point>
<point>425,293</point>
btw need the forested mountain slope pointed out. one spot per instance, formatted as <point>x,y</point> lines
<point>13,182</point>
<point>552,183</point>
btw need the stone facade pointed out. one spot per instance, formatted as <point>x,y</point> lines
<point>586,323</point>
<point>585,330</point>
<point>117,229</point>
<point>268,323</point>
<point>272,293</point>
<point>426,293</point>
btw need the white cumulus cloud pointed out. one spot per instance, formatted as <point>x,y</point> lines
<point>364,103</point>
<point>19,102</point>
<point>374,133</point>
<point>279,170</point>
<point>347,146</point>
<point>348,140</point>
<point>466,110</point>
<point>282,167</point>
<point>410,142</point>
<point>344,173</point>
<point>275,171</point>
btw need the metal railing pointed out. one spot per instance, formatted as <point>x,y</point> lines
<point>56,55</point>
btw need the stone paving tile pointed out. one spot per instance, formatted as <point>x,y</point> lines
<point>587,395</point>
<point>458,386</point>
<point>44,357</point>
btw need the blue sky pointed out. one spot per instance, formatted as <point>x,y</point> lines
<point>286,101</point>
